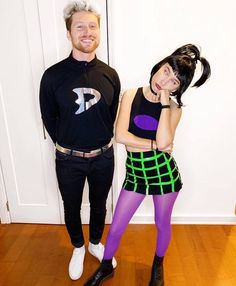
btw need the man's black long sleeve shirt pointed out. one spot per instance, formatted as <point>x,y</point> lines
<point>78,102</point>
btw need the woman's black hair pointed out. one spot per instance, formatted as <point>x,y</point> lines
<point>183,62</point>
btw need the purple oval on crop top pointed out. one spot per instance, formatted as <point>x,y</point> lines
<point>146,122</point>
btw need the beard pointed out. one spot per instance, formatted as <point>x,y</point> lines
<point>86,49</point>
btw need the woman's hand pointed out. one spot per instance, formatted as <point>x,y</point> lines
<point>164,97</point>
<point>168,149</point>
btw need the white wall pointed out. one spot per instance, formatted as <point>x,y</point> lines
<point>141,34</point>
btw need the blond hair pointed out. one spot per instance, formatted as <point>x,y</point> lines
<point>79,6</point>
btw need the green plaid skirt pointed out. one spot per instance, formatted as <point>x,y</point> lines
<point>151,173</point>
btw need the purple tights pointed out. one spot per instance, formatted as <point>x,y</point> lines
<point>127,204</point>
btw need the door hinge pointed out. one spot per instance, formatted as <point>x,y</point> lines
<point>7,205</point>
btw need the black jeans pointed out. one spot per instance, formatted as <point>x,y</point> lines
<point>72,172</point>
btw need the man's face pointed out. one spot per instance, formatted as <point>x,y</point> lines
<point>85,32</point>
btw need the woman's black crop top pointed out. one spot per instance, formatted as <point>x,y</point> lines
<point>144,116</point>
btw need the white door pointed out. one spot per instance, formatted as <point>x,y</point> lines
<point>33,37</point>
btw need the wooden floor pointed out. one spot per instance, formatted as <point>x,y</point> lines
<point>38,255</point>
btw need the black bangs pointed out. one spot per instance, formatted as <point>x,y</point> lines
<point>183,66</point>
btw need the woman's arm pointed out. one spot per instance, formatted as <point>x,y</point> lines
<point>122,135</point>
<point>168,122</point>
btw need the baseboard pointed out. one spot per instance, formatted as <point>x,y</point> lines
<point>148,219</point>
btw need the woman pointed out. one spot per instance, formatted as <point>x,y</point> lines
<point>146,125</point>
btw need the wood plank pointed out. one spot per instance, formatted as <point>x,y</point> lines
<point>38,255</point>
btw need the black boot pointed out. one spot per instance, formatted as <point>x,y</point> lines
<point>104,271</point>
<point>157,278</point>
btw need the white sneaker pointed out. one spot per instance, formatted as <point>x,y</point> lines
<point>97,250</point>
<point>76,264</point>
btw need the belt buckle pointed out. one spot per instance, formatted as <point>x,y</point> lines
<point>76,153</point>
<point>90,155</point>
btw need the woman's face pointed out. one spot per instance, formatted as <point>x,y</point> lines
<point>165,78</point>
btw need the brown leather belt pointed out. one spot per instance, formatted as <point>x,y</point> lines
<point>90,154</point>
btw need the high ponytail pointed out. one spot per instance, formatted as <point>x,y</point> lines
<point>189,50</point>
<point>206,72</point>
<point>194,53</point>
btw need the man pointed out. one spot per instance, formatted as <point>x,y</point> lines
<point>79,99</point>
